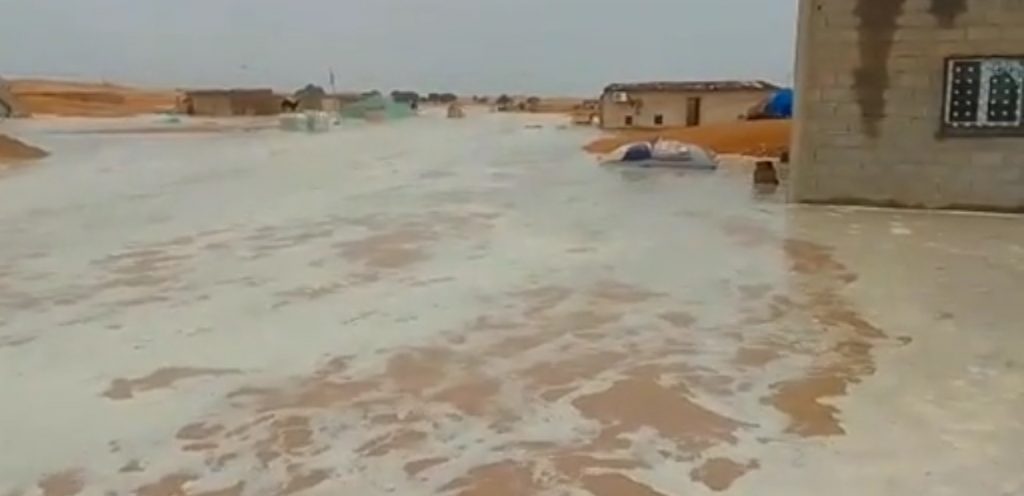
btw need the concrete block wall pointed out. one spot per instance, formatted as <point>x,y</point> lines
<point>870,76</point>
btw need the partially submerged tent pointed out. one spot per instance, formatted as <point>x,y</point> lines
<point>376,107</point>
<point>663,153</point>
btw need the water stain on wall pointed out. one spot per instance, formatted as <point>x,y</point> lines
<point>876,32</point>
<point>947,11</point>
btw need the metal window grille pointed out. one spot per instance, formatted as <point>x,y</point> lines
<point>984,94</point>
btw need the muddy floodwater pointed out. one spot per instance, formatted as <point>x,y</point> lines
<point>473,307</point>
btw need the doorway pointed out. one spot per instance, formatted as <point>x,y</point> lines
<point>693,104</point>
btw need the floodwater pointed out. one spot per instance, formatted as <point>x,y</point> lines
<point>471,307</point>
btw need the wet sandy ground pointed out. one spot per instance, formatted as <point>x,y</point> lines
<point>473,308</point>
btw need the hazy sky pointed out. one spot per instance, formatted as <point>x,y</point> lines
<point>537,46</point>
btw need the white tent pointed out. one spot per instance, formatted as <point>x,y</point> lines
<point>663,153</point>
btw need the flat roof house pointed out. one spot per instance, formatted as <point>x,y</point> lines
<point>232,102</point>
<point>915,103</point>
<point>677,104</point>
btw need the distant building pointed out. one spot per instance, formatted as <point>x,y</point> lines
<point>678,104</point>
<point>335,102</point>
<point>586,113</point>
<point>233,102</point>
<point>915,103</point>
<point>311,97</point>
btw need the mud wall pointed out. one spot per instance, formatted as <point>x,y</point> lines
<point>870,76</point>
<point>716,107</point>
<point>234,103</point>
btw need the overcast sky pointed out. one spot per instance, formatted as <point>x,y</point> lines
<point>538,46</point>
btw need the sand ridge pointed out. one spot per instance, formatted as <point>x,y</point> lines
<point>765,138</point>
<point>14,150</point>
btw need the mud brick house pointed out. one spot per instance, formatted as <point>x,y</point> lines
<point>678,104</point>
<point>233,102</point>
<point>912,103</point>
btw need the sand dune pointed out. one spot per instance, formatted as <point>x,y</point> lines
<point>13,150</point>
<point>757,138</point>
<point>68,98</point>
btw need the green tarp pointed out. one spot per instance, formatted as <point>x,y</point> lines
<point>377,107</point>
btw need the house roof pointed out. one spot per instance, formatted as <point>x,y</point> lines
<point>694,86</point>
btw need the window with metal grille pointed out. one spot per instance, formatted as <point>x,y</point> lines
<point>984,95</point>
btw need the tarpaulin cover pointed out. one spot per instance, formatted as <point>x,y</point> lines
<point>663,153</point>
<point>637,152</point>
<point>780,105</point>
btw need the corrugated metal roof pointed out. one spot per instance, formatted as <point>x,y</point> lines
<point>694,86</point>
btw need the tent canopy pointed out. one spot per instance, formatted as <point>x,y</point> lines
<point>663,153</point>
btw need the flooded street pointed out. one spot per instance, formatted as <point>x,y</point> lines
<point>472,307</point>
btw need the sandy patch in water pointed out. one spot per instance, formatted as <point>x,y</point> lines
<point>67,483</point>
<point>124,389</point>
<point>718,474</point>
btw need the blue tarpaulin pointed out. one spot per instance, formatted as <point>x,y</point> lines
<point>637,152</point>
<point>780,105</point>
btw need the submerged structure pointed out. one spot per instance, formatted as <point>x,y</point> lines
<point>663,154</point>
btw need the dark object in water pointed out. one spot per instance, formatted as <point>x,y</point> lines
<point>664,154</point>
<point>764,173</point>
<point>638,152</point>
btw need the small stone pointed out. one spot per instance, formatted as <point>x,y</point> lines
<point>764,173</point>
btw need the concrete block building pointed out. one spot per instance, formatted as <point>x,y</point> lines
<point>916,103</point>
<point>679,104</point>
